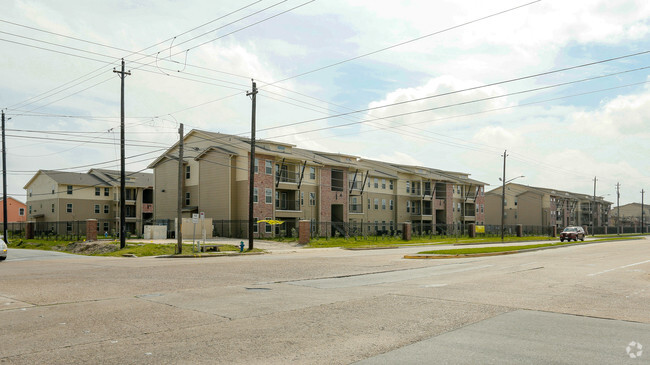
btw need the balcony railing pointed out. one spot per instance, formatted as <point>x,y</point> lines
<point>287,204</point>
<point>356,208</point>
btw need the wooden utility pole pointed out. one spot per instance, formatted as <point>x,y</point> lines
<point>594,211</point>
<point>618,209</point>
<point>179,215</point>
<point>642,213</point>
<point>122,75</point>
<point>503,194</point>
<point>4,182</point>
<point>251,179</point>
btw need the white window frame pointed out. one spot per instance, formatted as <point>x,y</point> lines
<point>268,196</point>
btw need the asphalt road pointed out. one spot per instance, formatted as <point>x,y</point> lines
<point>574,305</point>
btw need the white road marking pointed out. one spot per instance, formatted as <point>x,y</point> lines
<point>620,267</point>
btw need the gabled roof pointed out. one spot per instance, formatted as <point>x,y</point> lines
<point>96,177</point>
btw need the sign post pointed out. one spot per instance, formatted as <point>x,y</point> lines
<point>195,220</point>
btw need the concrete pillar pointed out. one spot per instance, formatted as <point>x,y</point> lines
<point>29,230</point>
<point>304,232</point>
<point>471,230</point>
<point>91,229</point>
<point>406,231</point>
<point>520,230</point>
<point>605,229</point>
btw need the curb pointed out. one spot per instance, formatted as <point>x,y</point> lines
<point>485,254</point>
<point>198,256</point>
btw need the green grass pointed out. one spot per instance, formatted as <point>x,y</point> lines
<point>112,248</point>
<point>476,250</point>
<point>388,241</point>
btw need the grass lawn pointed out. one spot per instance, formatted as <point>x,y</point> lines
<point>388,241</point>
<point>112,248</point>
<point>465,251</point>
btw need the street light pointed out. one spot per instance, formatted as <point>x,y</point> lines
<point>503,199</point>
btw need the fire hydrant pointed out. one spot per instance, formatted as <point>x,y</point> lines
<point>241,246</point>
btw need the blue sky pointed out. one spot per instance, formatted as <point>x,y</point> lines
<point>559,144</point>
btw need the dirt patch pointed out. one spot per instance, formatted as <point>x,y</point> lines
<point>89,248</point>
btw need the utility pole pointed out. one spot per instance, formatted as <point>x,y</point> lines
<point>122,75</point>
<point>179,215</point>
<point>4,182</point>
<point>503,194</point>
<point>594,211</point>
<point>618,209</point>
<point>251,179</point>
<point>642,213</point>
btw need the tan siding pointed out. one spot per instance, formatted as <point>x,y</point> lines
<point>214,197</point>
<point>166,178</point>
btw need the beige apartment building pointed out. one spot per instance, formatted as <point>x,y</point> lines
<point>60,196</point>
<point>336,192</point>
<point>630,215</point>
<point>535,206</point>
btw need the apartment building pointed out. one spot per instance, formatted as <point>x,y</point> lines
<point>630,215</point>
<point>338,191</point>
<point>536,206</point>
<point>60,196</point>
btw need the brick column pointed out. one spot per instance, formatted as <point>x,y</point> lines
<point>406,231</point>
<point>29,230</point>
<point>304,231</point>
<point>520,230</point>
<point>553,231</point>
<point>91,229</point>
<point>471,230</point>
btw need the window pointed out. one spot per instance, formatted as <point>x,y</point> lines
<point>98,191</point>
<point>30,192</point>
<point>376,203</point>
<point>187,172</point>
<point>257,165</point>
<point>408,206</point>
<point>390,184</point>
<point>312,173</point>
<point>21,212</point>
<point>68,227</point>
<point>53,189</point>
<point>459,207</point>
<point>515,201</point>
<point>368,203</point>
<point>105,208</point>
<point>376,183</point>
<point>383,184</point>
<point>68,208</point>
<point>458,189</point>
<point>187,198</point>
<point>52,208</point>
<point>268,226</point>
<point>106,191</point>
<point>383,204</point>
<point>383,225</point>
<point>105,227</point>
<point>268,193</point>
<point>30,209</point>
<point>268,167</point>
<point>96,208</point>
<point>337,181</point>
<point>408,186</point>
<point>302,198</point>
<point>312,199</point>
<point>255,195</point>
<point>390,204</point>
<point>69,190</point>
<point>255,225</point>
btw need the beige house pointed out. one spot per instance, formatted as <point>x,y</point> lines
<point>535,206</point>
<point>60,196</point>
<point>338,191</point>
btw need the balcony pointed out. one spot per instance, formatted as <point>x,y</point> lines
<point>147,208</point>
<point>286,204</point>
<point>356,208</point>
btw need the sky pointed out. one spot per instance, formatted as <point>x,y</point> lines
<point>561,86</point>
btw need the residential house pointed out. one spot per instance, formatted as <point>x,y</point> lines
<point>16,210</point>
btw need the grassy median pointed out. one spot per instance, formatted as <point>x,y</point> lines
<point>112,248</point>
<point>390,241</point>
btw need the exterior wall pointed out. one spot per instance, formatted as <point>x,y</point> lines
<point>13,210</point>
<point>263,181</point>
<point>480,202</point>
<point>492,209</point>
<point>166,190</point>
<point>449,203</point>
<point>329,197</point>
<point>215,185</point>
<point>529,209</point>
